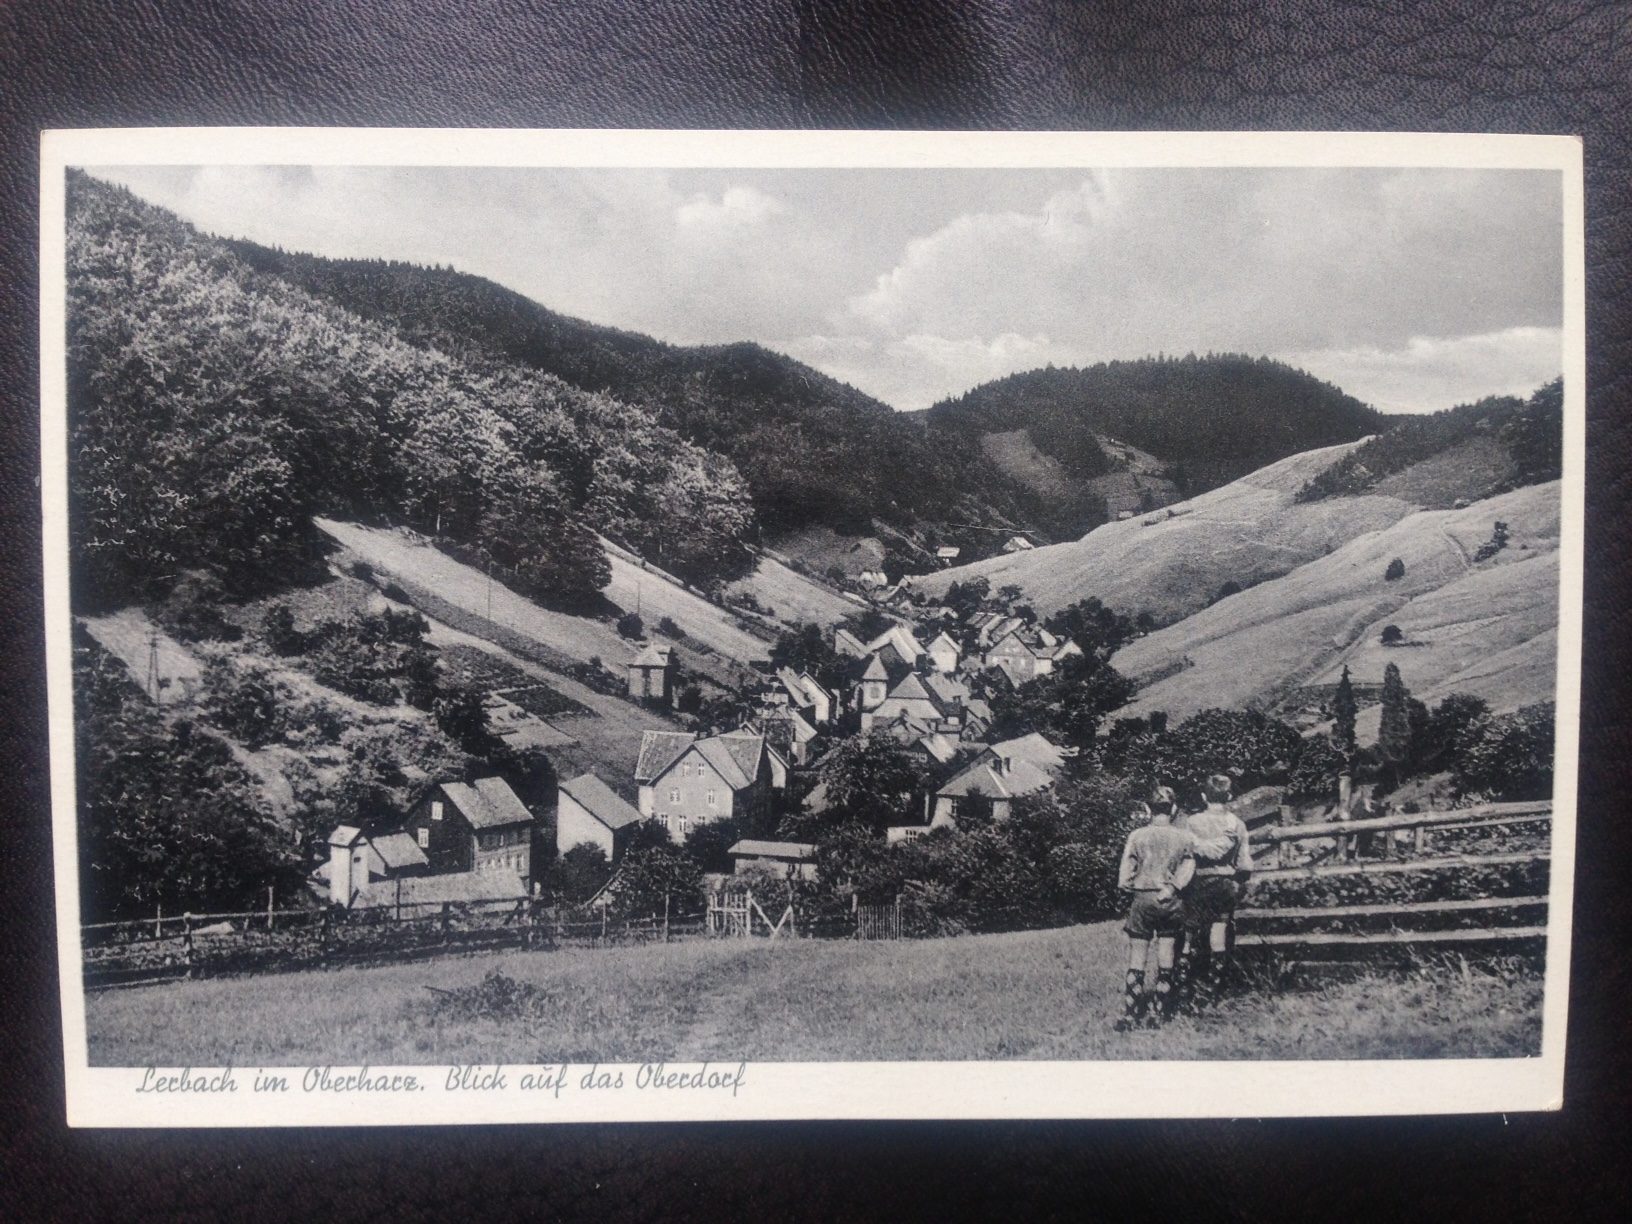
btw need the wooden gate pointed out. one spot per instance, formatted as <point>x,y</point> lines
<point>879,921</point>
<point>736,912</point>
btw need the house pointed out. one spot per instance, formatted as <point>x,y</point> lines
<point>1027,652</point>
<point>1017,543</point>
<point>900,639</point>
<point>994,626</point>
<point>912,697</point>
<point>992,781</point>
<point>944,652</point>
<point>686,781</point>
<point>788,731</point>
<point>800,689</point>
<point>652,675</point>
<point>872,685</point>
<point>791,860</point>
<point>873,579</point>
<point>1122,506</point>
<point>388,869</point>
<point>848,645</point>
<point>473,826</point>
<point>947,554</point>
<point>587,810</point>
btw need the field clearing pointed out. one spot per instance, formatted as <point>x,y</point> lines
<point>1170,562</point>
<point>793,597</point>
<point>128,635</point>
<point>1485,629</point>
<point>633,586</point>
<point>806,1000</point>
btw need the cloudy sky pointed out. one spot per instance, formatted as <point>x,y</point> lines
<point>1411,289</point>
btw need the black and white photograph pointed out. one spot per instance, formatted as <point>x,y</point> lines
<point>716,625</point>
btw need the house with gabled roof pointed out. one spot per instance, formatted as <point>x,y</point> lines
<point>992,781</point>
<point>788,731</point>
<point>480,825</point>
<point>901,639</point>
<point>589,811</point>
<point>944,652</point>
<point>1018,543</point>
<point>652,674</point>
<point>912,697</point>
<point>1028,651</point>
<point>686,781</point>
<point>848,644</point>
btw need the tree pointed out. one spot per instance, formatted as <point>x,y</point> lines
<point>461,713</point>
<point>248,705</point>
<point>1447,724</point>
<point>1395,570</point>
<point>1344,711</point>
<point>871,781</point>
<point>278,628</point>
<point>1509,756</point>
<point>1394,733</point>
<point>965,598</point>
<point>805,648</point>
<point>1392,636</point>
<point>631,626</point>
<point>578,874</point>
<point>709,843</point>
<point>651,876</point>
<point>1095,628</point>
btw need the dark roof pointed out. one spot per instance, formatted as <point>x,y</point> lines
<point>487,803</point>
<point>659,750</point>
<point>599,800</point>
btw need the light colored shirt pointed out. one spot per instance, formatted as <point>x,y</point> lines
<point>1221,842</point>
<point>1157,856</point>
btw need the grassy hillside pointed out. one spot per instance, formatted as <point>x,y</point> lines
<point>798,1001</point>
<point>1172,562</point>
<point>1485,627</point>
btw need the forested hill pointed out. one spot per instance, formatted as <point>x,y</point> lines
<point>213,409</point>
<point>813,451</point>
<point>1212,419</point>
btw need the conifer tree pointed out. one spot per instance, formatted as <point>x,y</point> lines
<point>1344,711</point>
<point>1394,735</point>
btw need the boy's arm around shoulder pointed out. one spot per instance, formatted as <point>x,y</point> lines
<point>1130,862</point>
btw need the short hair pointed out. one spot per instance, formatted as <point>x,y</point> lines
<point>1141,809</point>
<point>1163,799</point>
<point>1218,788</point>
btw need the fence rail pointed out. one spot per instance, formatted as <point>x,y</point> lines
<point>1313,931</point>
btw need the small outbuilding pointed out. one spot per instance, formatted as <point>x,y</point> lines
<point>588,810</point>
<point>792,860</point>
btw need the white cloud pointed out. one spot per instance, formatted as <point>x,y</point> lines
<point>737,206</point>
<point>1430,373</point>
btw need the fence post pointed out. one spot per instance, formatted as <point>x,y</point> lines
<point>447,911</point>
<point>603,924</point>
<point>269,895</point>
<point>187,942</point>
<point>665,917</point>
<point>158,921</point>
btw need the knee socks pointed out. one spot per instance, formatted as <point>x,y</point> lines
<point>1133,993</point>
<point>1164,992</point>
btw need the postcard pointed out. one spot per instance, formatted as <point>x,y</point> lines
<point>665,625</point>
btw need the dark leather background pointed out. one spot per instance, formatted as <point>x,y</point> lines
<point>1480,65</point>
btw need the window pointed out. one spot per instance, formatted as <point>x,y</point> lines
<point>674,794</point>
<point>685,826</point>
<point>713,800</point>
<point>436,809</point>
<point>424,836</point>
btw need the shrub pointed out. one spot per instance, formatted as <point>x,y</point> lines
<point>631,626</point>
<point>394,592</point>
<point>667,626</point>
<point>363,570</point>
<point>1392,636</point>
<point>1395,570</point>
<point>278,628</point>
<point>1224,592</point>
<point>193,610</point>
<point>1494,545</point>
<point>1509,755</point>
<point>248,705</point>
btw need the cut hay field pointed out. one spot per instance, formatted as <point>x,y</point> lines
<point>1486,628</point>
<point>1029,995</point>
<point>1171,562</point>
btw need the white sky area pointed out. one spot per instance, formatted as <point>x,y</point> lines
<point>1411,289</point>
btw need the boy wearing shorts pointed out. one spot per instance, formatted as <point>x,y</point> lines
<point>1157,862</point>
<point>1223,866</point>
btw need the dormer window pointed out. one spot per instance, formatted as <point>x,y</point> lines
<point>436,809</point>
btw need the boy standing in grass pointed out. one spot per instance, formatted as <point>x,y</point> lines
<point>1157,862</point>
<point>1223,866</point>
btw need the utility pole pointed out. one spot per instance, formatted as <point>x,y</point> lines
<point>153,666</point>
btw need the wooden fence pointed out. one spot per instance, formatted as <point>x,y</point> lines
<point>1406,847</point>
<point>879,921</point>
<point>197,945</point>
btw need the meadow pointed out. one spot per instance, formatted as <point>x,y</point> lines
<point>1037,995</point>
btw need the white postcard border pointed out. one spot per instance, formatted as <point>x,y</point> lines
<point>110,1097</point>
